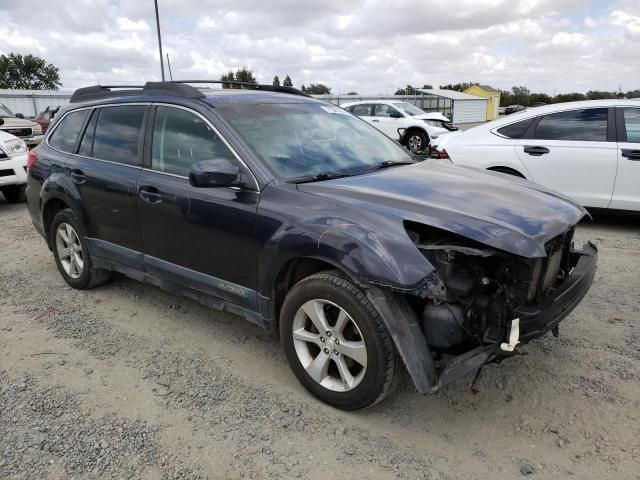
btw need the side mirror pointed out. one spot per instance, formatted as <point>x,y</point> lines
<point>396,114</point>
<point>218,172</point>
<point>19,115</point>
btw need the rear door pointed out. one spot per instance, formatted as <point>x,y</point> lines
<point>104,166</point>
<point>364,111</point>
<point>203,238</point>
<point>573,152</point>
<point>626,193</point>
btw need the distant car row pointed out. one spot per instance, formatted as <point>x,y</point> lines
<point>589,151</point>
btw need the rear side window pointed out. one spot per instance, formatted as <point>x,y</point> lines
<point>361,110</point>
<point>515,130</point>
<point>181,138</point>
<point>632,124</point>
<point>117,135</point>
<point>86,144</point>
<point>66,133</point>
<point>578,125</point>
<point>383,110</point>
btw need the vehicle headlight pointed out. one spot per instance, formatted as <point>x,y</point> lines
<point>37,129</point>
<point>14,147</point>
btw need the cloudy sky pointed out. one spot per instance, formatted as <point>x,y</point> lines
<point>371,46</point>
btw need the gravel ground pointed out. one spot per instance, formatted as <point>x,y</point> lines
<point>128,381</point>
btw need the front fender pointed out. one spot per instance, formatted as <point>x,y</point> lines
<point>384,257</point>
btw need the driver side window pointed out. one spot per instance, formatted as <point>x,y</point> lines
<point>181,138</point>
<point>383,110</point>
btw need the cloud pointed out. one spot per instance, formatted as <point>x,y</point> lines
<point>370,47</point>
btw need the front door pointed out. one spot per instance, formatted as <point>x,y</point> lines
<point>626,193</point>
<point>200,237</point>
<point>574,153</point>
<point>388,119</point>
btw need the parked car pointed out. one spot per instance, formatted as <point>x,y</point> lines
<point>589,151</point>
<point>513,109</point>
<point>502,110</point>
<point>300,217</point>
<point>17,125</point>
<point>402,121</point>
<point>13,163</point>
<point>44,118</point>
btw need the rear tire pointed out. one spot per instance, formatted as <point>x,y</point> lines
<point>71,252</point>
<point>350,365</point>
<point>14,193</point>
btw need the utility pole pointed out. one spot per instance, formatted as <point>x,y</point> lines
<point>159,39</point>
<point>169,65</point>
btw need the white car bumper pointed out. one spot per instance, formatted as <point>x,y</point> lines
<point>13,170</point>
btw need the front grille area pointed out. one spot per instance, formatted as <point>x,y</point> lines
<point>6,173</point>
<point>19,132</point>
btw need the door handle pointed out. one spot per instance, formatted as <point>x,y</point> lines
<point>77,176</point>
<point>631,154</point>
<point>150,195</point>
<point>376,121</point>
<point>535,151</point>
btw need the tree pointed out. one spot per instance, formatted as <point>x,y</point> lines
<point>521,95</point>
<point>569,97</point>
<point>28,73</point>
<point>287,82</point>
<point>303,89</point>
<point>458,86</point>
<point>600,95</point>
<point>317,89</point>
<point>426,86</point>
<point>245,75</point>
<point>633,94</point>
<point>276,81</point>
<point>352,93</point>
<point>407,91</point>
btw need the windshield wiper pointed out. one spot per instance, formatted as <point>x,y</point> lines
<point>318,177</point>
<point>387,164</point>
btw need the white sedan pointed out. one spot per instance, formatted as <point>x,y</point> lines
<point>589,151</point>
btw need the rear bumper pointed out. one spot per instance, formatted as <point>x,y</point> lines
<point>536,320</point>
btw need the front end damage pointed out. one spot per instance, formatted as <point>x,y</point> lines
<point>480,304</point>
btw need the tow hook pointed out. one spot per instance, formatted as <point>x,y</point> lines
<point>514,336</point>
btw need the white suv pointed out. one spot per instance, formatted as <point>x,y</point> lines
<point>413,127</point>
<point>589,151</point>
<point>13,167</point>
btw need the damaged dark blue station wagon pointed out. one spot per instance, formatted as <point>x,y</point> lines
<point>299,216</point>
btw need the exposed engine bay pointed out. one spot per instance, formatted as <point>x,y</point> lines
<point>482,288</point>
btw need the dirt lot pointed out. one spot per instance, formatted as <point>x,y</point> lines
<point>127,381</point>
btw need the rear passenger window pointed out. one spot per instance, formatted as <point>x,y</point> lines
<point>86,144</point>
<point>578,125</point>
<point>66,133</point>
<point>361,110</point>
<point>181,139</point>
<point>632,124</point>
<point>117,135</point>
<point>515,130</point>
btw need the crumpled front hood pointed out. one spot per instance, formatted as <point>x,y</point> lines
<point>432,116</point>
<point>503,212</point>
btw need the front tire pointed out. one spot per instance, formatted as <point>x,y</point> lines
<point>336,342</point>
<point>71,252</point>
<point>416,140</point>
<point>14,193</point>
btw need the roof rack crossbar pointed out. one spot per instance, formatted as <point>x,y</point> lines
<point>254,86</point>
<point>178,88</point>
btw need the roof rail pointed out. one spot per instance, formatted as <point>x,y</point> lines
<point>100,92</point>
<point>253,86</point>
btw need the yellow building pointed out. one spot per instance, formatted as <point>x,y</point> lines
<point>491,94</point>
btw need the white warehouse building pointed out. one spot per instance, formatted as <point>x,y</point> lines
<point>464,108</point>
<point>31,102</point>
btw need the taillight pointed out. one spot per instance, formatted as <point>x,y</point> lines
<point>32,159</point>
<point>442,154</point>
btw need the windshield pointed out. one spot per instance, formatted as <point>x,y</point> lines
<point>298,140</point>
<point>5,112</point>
<point>409,109</point>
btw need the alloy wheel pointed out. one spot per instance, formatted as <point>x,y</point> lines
<point>329,345</point>
<point>415,143</point>
<point>69,250</point>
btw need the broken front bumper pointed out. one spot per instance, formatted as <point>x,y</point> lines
<point>537,320</point>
